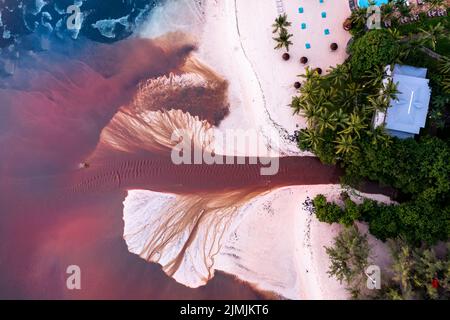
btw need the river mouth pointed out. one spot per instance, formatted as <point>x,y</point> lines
<point>58,113</point>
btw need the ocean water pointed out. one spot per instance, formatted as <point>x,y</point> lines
<point>71,98</point>
<point>59,89</point>
<point>104,21</point>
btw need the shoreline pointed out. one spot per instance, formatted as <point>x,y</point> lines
<point>254,82</point>
<point>256,248</point>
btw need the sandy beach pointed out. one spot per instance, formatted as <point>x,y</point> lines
<point>261,83</point>
<point>273,241</point>
<point>291,262</point>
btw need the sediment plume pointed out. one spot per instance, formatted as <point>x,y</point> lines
<point>81,133</point>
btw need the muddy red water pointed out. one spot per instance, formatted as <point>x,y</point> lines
<point>53,214</point>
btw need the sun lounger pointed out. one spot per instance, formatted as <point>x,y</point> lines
<point>404,20</point>
<point>280,7</point>
<point>431,13</point>
<point>352,5</point>
<point>442,13</point>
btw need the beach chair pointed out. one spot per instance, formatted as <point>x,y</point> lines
<point>280,7</point>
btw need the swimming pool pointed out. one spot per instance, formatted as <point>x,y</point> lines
<point>365,3</point>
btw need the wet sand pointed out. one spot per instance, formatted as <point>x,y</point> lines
<point>54,214</point>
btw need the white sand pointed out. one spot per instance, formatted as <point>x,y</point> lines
<point>240,46</point>
<point>278,257</point>
<point>274,243</point>
<point>279,245</point>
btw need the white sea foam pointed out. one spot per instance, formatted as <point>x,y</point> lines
<point>174,15</point>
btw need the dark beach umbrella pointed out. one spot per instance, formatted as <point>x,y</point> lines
<point>286,56</point>
<point>319,70</point>
<point>334,46</point>
<point>297,85</point>
<point>303,60</point>
<point>347,24</point>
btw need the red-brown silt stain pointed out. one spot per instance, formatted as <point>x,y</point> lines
<point>76,219</point>
<point>54,214</point>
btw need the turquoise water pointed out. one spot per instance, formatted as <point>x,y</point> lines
<point>365,3</point>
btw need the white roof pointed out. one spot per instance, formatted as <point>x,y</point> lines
<point>409,112</point>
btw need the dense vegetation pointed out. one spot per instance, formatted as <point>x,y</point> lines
<point>280,27</point>
<point>339,108</point>
<point>416,221</point>
<point>349,258</point>
<point>373,49</point>
<point>415,272</point>
<point>418,273</point>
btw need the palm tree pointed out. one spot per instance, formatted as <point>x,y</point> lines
<point>396,35</point>
<point>310,138</point>
<point>341,118</point>
<point>446,84</point>
<point>388,10</point>
<point>440,101</point>
<point>281,23</point>
<point>309,74</point>
<point>373,77</point>
<point>339,75</point>
<point>326,120</point>
<point>330,94</point>
<point>390,90</point>
<point>283,40</point>
<point>349,257</point>
<point>409,47</point>
<point>403,268</point>
<point>352,93</point>
<point>355,124</point>
<point>311,112</point>
<point>345,144</point>
<point>432,35</point>
<point>345,99</point>
<point>379,137</point>
<point>445,65</point>
<point>354,88</point>
<point>378,103</point>
<point>435,3</point>
<point>298,103</point>
<point>358,17</point>
<point>310,90</point>
<point>403,8</point>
